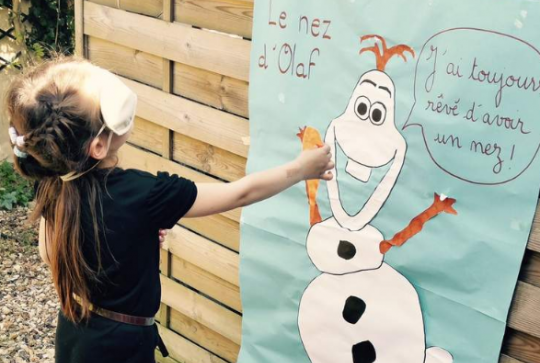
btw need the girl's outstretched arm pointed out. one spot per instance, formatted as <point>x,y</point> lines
<point>213,198</point>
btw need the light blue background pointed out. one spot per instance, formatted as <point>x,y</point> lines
<point>464,267</point>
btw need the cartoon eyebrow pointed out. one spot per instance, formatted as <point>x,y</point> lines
<point>370,82</point>
<point>386,89</point>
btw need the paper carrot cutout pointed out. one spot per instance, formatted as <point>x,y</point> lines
<point>311,139</point>
<point>385,54</point>
<point>417,223</point>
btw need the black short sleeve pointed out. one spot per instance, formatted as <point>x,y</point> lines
<point>170,199</point>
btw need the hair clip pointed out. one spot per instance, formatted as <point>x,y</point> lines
<point>18,141</point>
<point>19,153</point>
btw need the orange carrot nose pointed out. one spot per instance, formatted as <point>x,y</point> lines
<point>311,139</point>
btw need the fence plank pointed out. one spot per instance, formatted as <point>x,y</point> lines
<point>79,28</point>
<point>131,157</point>
<point>522,346</point>
<point>205,254</point>
<point>206,87</point>
<point>204,311</point>
<point>184,351</point>
<point>203,336</point>
<point>162,359</point>
<point>530,270</point>
<point>201,122</point>
<point>534,238</point>
<point>525,311</point>
<point>134,157</point>
<point>228,16</point>
<point>168,10</point>
<point>507,359</point>
<point>152,8</point>
<point>211,51</point>
<point>128,62</point>
<point>148,135</point>
<point>211,88</point>
<point>208,158</point>
<point>165,267</point>
<point>217,228</point>
<point>207,283</point>
<point>168,14</point>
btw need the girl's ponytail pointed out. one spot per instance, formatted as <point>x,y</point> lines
<point>63,220</point>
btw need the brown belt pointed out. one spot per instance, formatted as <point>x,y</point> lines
<point>128,319</point>
<point>123,318</point>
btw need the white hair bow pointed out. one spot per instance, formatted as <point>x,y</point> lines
<point>18,141</point>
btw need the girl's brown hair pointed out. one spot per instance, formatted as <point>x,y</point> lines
<point>55,106</point>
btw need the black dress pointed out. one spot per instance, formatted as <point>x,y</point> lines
<point>136,205</point>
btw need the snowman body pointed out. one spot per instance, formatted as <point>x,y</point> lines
<point>359,310</point>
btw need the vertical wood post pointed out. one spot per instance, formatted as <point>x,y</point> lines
<point>167,86</point>
<point>168,72</point>
<point>79,29</point>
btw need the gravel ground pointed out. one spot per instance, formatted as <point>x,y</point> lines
<point>28,302</point>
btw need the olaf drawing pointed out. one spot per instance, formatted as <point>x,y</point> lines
<point>359,309</point>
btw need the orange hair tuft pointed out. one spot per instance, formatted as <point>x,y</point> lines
<point>387,53</point>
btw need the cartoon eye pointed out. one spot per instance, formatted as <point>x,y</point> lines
<point>378,113</point>
<point>361,107</point>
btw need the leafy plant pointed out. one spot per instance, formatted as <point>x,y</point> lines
<point>14,190</point>
<point>51,27</point>
<point>6,3</point>
<point>8,200</point>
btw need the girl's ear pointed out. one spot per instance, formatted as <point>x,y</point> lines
<point>99,147</point>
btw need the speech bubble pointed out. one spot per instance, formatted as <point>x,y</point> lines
<point>477,101</point>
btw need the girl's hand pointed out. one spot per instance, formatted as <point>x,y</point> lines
<point>162,234</point>
<point>316,163</point>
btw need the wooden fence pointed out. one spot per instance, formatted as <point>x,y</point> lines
<point>191,77</point>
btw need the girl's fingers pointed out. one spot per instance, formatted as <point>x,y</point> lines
<point>327,148</point>
<point>327,176</point>
<point>162,234</point>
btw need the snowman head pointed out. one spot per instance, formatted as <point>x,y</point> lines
<point>367,135</point>
<point>366,131</point>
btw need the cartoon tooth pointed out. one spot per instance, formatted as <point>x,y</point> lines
<point>361,310</point>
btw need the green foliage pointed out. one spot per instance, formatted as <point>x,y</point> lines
<point>14,190</point>
<point>39,51</point>
<point>6,3</point>
<point>53,27</point>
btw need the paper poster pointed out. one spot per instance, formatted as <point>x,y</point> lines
<point>411,254</point>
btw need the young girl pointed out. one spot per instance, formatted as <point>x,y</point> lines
<point>100,224</point>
